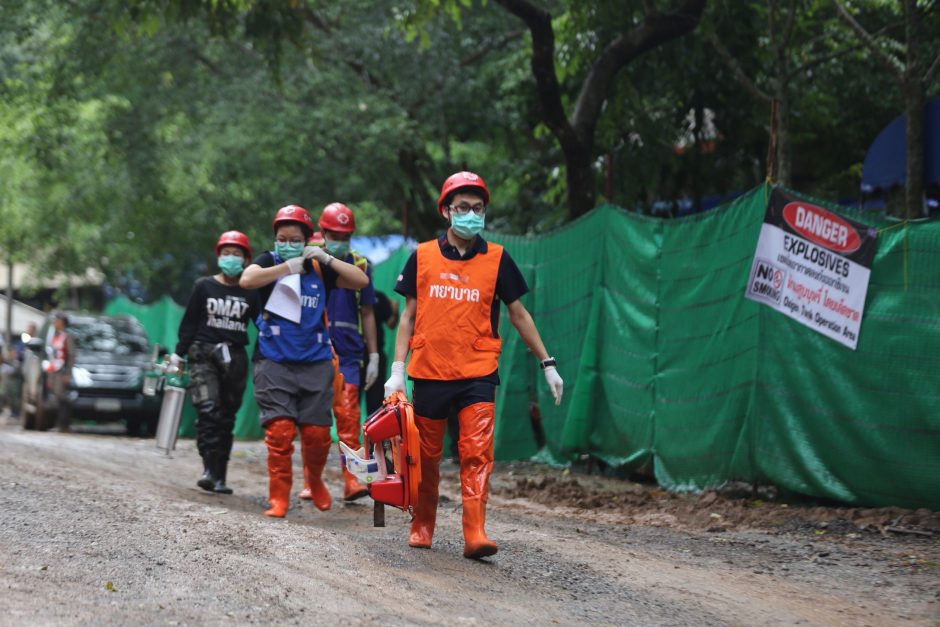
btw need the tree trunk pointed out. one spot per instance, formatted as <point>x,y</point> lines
<point>575,134</point>
<point>698,152</point>
<point>417,221</point>
<point>404,219</point>
<point>609,177</point>
<point>914,103</point>
<point>582,188</point>
<point>784,156</point>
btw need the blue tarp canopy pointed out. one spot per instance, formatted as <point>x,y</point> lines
<point>886,160</point>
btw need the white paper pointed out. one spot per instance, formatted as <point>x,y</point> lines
<point>826,301</point>
<point>285,298</point>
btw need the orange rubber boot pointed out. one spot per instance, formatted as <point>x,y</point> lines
<point>315,446</point>
<point>432,444</point>
<point>279,436</point>
<point>348,430</point>
<point>307,494</point>
<point>476,464</point>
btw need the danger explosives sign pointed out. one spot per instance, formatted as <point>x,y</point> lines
<point>813,266</point>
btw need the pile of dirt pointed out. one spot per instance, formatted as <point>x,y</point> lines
<point>712,511</point>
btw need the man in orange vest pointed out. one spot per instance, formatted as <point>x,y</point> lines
<point>453,286</point>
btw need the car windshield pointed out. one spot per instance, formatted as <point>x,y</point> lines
<point>109,336</point>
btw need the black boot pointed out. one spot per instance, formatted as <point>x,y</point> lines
<point>221,470</point>
<point>222,456</point>
<point>207,480</point>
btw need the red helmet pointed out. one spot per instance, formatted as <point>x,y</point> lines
<point>294,213</point>
<point>459,181</point>
<point>337,217</point>
<point>236,238</point>
<point>316,239</point>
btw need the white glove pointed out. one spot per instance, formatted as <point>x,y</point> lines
<point>317,252</point>
<point>396,382</point>
<point>174,365</point>
<point>295,265</point>
<point>372,370</point>
<point>555,384</point>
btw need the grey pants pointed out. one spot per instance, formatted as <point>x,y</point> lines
<point>302,392</point>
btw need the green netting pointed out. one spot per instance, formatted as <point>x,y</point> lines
<point>665,361</point>
<point>859,426</point>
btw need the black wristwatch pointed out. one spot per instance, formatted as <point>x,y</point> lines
<point>545,363</point>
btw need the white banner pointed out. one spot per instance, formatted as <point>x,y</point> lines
<point>813,266</point>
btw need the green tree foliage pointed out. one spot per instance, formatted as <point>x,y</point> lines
<point>133,133</point>
<point>907,44</point>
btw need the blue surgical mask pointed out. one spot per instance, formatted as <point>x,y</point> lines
<point>231,265</point>
<point>337,249</point>
<point>287,250</point>
<point>468,225</point>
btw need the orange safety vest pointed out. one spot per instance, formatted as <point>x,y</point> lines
<point>453,335</point>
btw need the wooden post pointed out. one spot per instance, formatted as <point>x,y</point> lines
<point>609,182</point>
<point>772,143</point>
<point>378,514</point>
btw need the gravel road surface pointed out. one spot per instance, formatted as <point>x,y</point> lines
<point>102,529</point>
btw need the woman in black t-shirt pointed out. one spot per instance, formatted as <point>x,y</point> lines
<point>212,335</point>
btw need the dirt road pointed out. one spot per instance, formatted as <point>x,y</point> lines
<point>102,529</point>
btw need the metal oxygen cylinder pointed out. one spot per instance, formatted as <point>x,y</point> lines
<point>174,394</point>
<point>153,377</point>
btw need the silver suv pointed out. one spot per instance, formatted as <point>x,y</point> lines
<point>111,355</point>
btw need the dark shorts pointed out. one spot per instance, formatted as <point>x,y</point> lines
<point>436,399</point>
<point>350,366</point>
<point>303,392</point>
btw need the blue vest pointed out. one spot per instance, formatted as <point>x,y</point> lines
<point>344,311</point>
<point>308,342</point>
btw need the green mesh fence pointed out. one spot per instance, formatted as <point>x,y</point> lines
<point>162,320</point>
<point>665,361</point>
<point>653,336</point>
<point>858,426</point>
